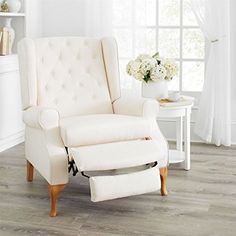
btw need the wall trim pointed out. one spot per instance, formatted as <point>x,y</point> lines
<point>233,130</point>
<point>12,140</point>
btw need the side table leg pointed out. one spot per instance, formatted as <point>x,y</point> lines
<point>187,139</point>
<point>179,134</point>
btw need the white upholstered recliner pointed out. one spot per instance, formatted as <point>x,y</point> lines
<point>74,114</point>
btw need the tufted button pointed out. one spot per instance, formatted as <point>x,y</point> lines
<point>69,71</point>
<point>60,56</point>
<point>63,86</point>
<point>50,45</point>
<point>88,70</point>
<point>75,98</point>
<point>52,73</point>
<point>95,56</point>
<point>99,83</point>
<point>55,101</point>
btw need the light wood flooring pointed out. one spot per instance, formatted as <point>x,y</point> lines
<point>201,201</point>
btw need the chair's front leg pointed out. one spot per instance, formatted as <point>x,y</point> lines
<point>163,175</point>
<point>30,171</point>
<point>54,191</point>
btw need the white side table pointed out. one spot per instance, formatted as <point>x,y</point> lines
<point>182,112</point>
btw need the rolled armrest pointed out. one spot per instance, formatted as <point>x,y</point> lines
<point>41,117</point>
<point>136,106</point>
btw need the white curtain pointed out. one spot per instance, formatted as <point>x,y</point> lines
<point>214,118</point>
<point>98,18</point>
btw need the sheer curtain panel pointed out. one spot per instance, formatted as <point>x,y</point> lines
<point>214,117</point>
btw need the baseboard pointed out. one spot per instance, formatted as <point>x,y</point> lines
<point>12,140</point>
<point>233,130</point>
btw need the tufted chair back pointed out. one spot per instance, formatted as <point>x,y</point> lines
<point>75,75</point>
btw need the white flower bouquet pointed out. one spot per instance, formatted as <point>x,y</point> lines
<point>148,68</point>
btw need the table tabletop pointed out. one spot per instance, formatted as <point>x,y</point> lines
<point>183,102</point>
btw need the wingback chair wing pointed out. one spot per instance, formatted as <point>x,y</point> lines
<point>74,113</point>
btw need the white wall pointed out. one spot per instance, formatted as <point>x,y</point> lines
<point>62,17</point>
<point>65,17</point>
<point>34,18</point>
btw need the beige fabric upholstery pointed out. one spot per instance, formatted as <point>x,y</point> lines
<point>70,75</point>
<point>136,107</point>
<point>138,183</point>
<point>110,54</point>
<point>41,117</point>
<point>45,150</point>
<point>28,72</point>
<point>95,129</point>
<point>119,155</point>
<point>71,97</point>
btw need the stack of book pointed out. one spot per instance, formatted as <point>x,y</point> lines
<point>4,41</point>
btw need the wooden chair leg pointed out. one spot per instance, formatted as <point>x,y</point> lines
<point>30,171</point>
<point>163,175</point>
<point>54,191</point>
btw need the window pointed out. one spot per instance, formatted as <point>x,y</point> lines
<point>167,26</point>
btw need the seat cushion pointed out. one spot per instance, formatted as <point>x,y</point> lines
<point>96,129</point>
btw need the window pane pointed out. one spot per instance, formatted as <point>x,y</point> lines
<point>125,79</point>
<point>193,76</point>
<point>136,32</point>
<point>169,43</point>
<point>169,12</point>
<point>193,43</point>
<point>145,12</point>
<point>145,41</point>
<point>124,40</point>
<point>122,12</point>
<point>173,85</point>
<point>188,16</point>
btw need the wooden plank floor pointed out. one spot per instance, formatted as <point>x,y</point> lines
<point>200,202</point>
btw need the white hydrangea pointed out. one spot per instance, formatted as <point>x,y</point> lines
<point>151,68</point>
<point>158,73</point>
<point>147,65</point>
<point>133,67</point>
<point>171,68</point>
<point>138,76</point>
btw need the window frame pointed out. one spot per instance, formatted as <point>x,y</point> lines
<point>181,27</point>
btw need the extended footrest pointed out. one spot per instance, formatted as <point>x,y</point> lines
<point>117,156</point>
<point>117,186</point>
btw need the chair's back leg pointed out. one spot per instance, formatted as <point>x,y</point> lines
<point>30,171</point>
<point>54,191</point>
<point>163,175</point>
